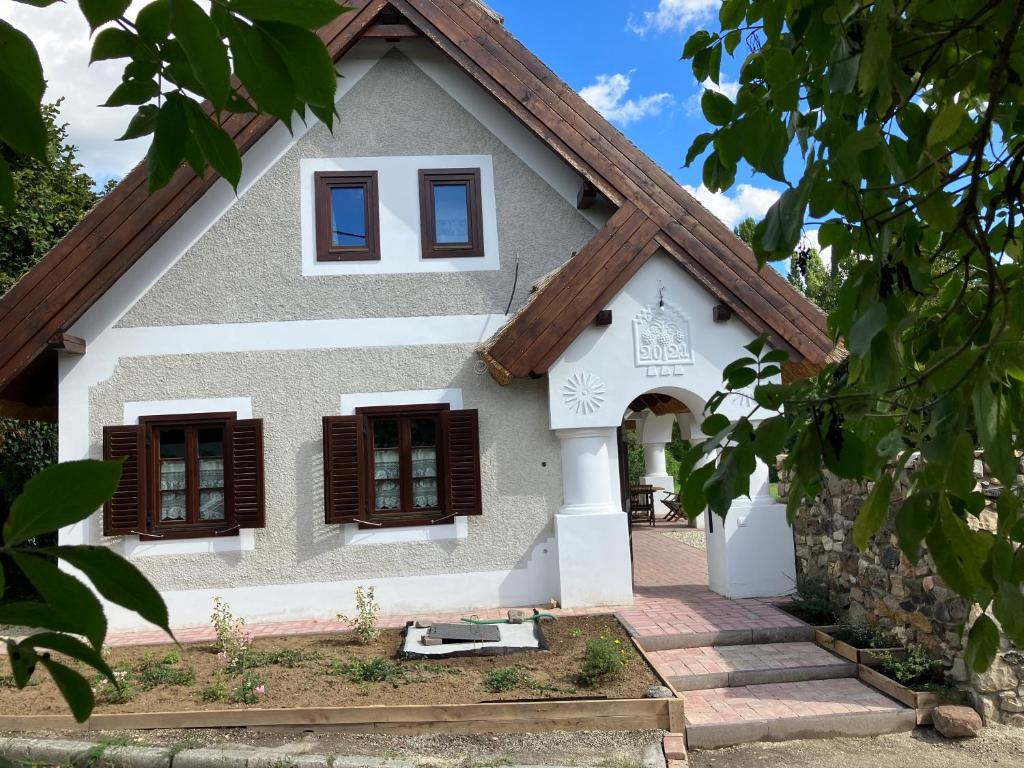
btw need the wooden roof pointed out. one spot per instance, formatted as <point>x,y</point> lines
<point>653,212</point>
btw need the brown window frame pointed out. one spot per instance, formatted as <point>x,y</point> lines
<point>323,183</point>
<point>192,526</point>
<point>428,226</point>
<point>406,514</point>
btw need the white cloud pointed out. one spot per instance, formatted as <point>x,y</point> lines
<point>61,35</point>
<point>811,239</point>
<point>608,96</point>
<point>746,200</point>
<point>725,86</point>
<point>672,16</point>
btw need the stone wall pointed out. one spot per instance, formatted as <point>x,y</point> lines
<point>880,586</point>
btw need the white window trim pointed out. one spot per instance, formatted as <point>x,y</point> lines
<point>245,541</point>
<point>399,210</point>
<point>352,534</point>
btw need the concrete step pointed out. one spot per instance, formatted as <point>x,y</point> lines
<point>725,666</point>
<point>722,717</point>
<point>671,640</point>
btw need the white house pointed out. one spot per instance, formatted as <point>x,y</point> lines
<point>402,354</point>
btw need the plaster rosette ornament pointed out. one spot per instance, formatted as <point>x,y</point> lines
<point>583,393</point>
<point>661,340</point>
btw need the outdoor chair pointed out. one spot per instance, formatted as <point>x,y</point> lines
<point>641,503</point>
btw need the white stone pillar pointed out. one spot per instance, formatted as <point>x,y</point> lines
<point>594,566</point>
<point>751,552</point>
<point>655,433</point>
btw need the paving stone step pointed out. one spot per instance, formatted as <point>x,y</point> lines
<point>668,640</point>
<point>722,717</point>
<point>724,666</point>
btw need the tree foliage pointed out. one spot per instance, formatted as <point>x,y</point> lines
<point>179,54</point>
<point>904,118</point>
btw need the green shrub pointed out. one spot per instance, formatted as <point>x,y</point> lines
<point>172,657</point>
<point>605,659</point>
<point>364,624</point>
<point>917,670</point>
<point>507,678</point>
<point>151,673</point>
<point>378,670</point>
<point>216,692</point>
<point>866,636</point>
<point>251,689</point>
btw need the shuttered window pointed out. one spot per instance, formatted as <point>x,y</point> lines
<point>408,465</point>
<point>186,476</point>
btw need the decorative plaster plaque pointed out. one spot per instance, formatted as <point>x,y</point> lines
<point>583,393</point>
<point>661,340</point>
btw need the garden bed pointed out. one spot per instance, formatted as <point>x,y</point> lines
<point>336,671</point>
<point>836,638</point>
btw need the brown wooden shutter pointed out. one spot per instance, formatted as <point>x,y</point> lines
<point>247,473</point>
<point>344,491</point>
<point>126,511</point>
<point>462,462</point>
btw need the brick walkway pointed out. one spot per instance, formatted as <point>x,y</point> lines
<point>785,700</point>
<point>672,599</point>
<point>692,662</point>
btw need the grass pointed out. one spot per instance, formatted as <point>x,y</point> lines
<point>94,755</point>
<point>510,678</point>
<point>378,670</point>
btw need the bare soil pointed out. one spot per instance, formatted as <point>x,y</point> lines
<point>313,673</point>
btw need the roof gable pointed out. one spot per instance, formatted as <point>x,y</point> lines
<point>127,222</point>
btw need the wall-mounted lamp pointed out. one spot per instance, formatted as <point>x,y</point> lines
<point>603,319</point>
<point>721,313</point>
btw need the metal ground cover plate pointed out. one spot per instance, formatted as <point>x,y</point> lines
<point>465,633</point>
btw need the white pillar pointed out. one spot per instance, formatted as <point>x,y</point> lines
<point>751,553</point>
<point>655,433</point>
<point>594,565</point>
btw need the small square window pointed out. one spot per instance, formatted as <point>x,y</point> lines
<point>347,216</point>
<point>451,214</point>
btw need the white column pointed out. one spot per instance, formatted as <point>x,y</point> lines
<point>655,433</point>
<point>751,553</point>
<point>594,565</point>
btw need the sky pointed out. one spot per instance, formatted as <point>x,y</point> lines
<point>623,57</point>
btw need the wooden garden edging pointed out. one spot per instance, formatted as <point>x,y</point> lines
<point>923,703</point>
<point>869,657</point>
<point>504,717</point>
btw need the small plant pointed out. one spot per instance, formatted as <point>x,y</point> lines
<point>866,636</point>
<point>378,670</point>
<point>507,678</point>
<point>251,690</point>
<point>235,642</point>
<point>172,657</point>
<point>151,673</point>
<point>917,670</point>
<point>605,659</point>
<point>813,602</point>
<point>108,693</point>
<point>364,625</point>
<point>285,657</point>
<point>94,755</point>
<point>216,692</point>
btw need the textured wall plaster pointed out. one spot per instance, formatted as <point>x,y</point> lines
<point>248,266</point>
<point>291,392</point>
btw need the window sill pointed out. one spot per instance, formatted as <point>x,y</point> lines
<point>355,536</point>
<point>136,546</point>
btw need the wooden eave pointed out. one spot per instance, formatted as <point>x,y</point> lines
<point>654,213</point>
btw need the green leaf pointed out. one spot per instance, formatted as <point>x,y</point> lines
<point>99,12</point>
<point>206,52</point>
<point>717,174</point>
<point>21,119</point>
<point>693,498</point>
<point>26,614</point>
<point>915,519</point>
<point>1009,610</point>
<point>717,107</point>
<point>698,146</point>
<point>168,147</point>
<point>867,327</point>
<point>19,61</point>
<point>142,123</point>
<point>982,644</point>
<point>22,661</point>
<point>133,92</point>
<point>714,424</point>
<point>874,511</point>
<point>311,14</point>
<point>70,646</point>
<point>66,595</point>
<point>60,495</point>
<point>731,13</point>
<point>113,43</point>
<point>73,687</point>
<point>308,61</point>
<point>218,148</point>
<point>783,223</point>
<point>118,580</point>
<point>154,21</point>
<point>945,124</point>
<point>6,185</point>
<point>995,431</point>
<point>261,70</point>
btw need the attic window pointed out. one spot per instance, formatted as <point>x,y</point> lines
<point>451,213</point>
<point>347,216</point>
